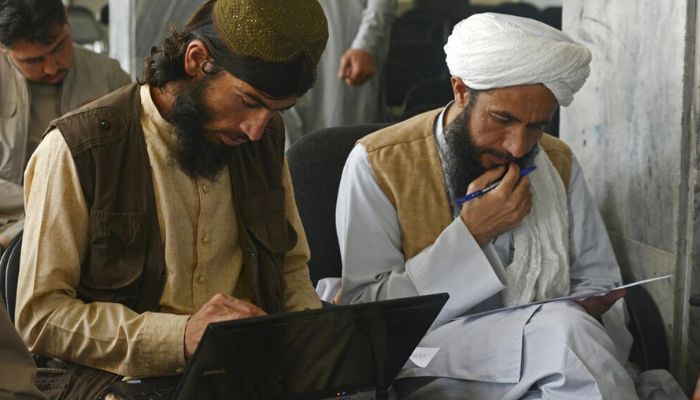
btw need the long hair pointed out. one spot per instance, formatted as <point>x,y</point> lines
<point>166,63</point>
<point>34,21</point>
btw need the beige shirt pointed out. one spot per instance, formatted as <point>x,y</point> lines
<point>198,229</point>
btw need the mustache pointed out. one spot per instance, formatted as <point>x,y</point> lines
<point>500,154</point>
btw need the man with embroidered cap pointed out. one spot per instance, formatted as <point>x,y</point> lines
<point>168,205</point>
<point>402,231</point>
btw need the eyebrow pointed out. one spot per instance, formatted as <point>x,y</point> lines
<point>261,101</point>
<point>60,42</point>
<point>513,117</point>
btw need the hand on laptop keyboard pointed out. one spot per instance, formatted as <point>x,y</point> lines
<point>220,307</point>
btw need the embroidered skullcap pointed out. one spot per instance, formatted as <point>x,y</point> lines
<point>272,30</point>
<point>490,50</point>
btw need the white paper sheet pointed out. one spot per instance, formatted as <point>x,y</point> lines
<point>580,296</point>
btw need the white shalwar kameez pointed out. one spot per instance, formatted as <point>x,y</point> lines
<point>357,24</point>
<point>554,351</point>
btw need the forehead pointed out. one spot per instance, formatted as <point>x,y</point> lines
<point>24,49</point>
<point>243,88</point>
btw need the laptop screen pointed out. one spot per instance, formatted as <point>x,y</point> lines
<point>309,354</point>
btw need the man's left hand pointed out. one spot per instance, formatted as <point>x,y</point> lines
<point>356,67</point>
<point>598,305</point>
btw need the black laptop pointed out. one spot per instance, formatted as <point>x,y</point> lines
<point>344,352</point>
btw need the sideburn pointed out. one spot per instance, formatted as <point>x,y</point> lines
<point>193,153</point>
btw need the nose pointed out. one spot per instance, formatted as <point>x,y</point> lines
<point>516,142</point>
<point>51,66</point>
<point>255,124</point>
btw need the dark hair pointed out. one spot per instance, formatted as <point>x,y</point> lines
<point>167,62</point>
<point>32,20</point>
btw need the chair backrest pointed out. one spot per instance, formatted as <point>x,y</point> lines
<point>316,163</point>
<point>427,95</point>
<point>9,272</point>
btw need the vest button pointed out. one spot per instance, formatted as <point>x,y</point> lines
<point>104,125</point>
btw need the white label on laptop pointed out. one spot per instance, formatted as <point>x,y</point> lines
<point>423,355</point>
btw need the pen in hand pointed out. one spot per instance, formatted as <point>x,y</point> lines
<point>461,200</point>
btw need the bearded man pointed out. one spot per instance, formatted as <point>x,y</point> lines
<point>163,207</point>
<point>402,231</point>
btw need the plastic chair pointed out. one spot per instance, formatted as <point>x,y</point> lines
<point>9,273</point>
<point>316,163</point>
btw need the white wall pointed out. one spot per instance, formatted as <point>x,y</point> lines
<point>631,129</point>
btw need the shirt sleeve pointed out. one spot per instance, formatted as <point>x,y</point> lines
<point>592,261</point>
<point>374,267</point>
<point>375,26</point>
<point>51,320</point>
<point>300,293</point>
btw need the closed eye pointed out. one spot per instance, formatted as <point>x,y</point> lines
<point>248,104</point>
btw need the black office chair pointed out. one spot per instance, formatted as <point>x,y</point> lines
<point>649,349</point>
<point>551,16</point>
<point>316,163</point>
<point>9,272</point>
<point>426,95</point>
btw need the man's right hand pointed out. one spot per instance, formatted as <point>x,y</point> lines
<point>499,210</point>
<point>219,308</point>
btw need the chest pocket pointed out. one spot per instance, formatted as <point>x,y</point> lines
<point>8,109</point>
<point>264,215</point>
<point>116,256</point>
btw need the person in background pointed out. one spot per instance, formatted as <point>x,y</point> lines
<point>349,73</point>
<point>168,205</point>
<point>42,76</point>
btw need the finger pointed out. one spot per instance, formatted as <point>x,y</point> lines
<point>355,72</point>
<point>510,179</point>
<point>238,305</point>
<point>487,178</point>
<point>343,67</point>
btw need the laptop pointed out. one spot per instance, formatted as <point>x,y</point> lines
<point>343,352</point>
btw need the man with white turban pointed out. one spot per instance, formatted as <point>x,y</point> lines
<point>402,231</point>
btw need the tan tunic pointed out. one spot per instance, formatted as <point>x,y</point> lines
<point>198,229</point>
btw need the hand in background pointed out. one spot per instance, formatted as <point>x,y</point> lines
<point>219,308</point>
<point>598,305</point>
<point>696,393</point>
<point>356,67</point>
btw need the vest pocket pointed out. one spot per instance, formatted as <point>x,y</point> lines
<point>264,215</point>
<point>117,251</point>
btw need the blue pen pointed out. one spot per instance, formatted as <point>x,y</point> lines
<point>475,194</point>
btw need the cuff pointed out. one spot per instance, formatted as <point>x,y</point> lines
<point>161,345</point>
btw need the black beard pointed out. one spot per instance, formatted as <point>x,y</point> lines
<point>193,153</point>
<point>462,163</point>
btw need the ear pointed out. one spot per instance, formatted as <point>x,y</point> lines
<point>460,91</point>
<point>196,58</point>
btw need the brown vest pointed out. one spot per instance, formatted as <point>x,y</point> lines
<point>125,260</point>
<point>406,164</point>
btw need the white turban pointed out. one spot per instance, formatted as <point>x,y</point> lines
<point>490,50</point>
